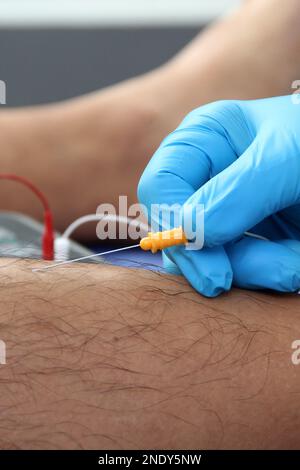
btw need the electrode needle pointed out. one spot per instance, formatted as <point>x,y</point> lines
<point>83,258</point>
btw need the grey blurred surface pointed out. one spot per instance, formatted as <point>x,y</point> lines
<point>20,236</point>
<point>47,65</point>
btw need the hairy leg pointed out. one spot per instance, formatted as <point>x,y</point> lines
<point>90,150</point>
<point>104,357</point>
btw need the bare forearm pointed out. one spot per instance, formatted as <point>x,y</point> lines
<point>104,357</point>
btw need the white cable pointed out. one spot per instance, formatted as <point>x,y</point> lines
<point>63,244</point>
<point>61,248</point>
<point>121,219</point>
<point>97,217</point>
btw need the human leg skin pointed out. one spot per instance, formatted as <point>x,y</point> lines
<point>102,357</point>
<point>91,149</point>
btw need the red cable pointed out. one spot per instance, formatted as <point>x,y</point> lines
<point>48,237</point>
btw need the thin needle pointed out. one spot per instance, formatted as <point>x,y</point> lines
<point>84,257</point>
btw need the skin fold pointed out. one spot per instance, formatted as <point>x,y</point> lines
<point>103,357</point>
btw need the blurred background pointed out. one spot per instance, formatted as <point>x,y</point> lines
<point>55,49</point>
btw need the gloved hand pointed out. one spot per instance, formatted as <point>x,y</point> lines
<point>241,159</point>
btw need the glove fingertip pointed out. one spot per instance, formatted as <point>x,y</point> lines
<point>213,286</point>
<point>208,271</point>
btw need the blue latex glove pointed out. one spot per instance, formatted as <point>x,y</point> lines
<point>241,159</point>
